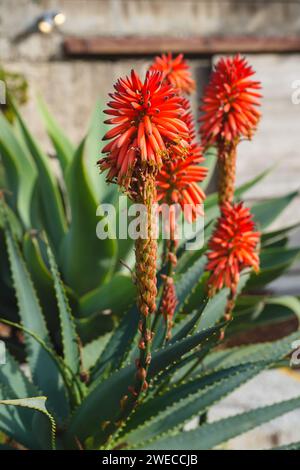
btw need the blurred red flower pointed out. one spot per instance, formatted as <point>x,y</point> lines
<point>233,247</point>
<point>177,181</point>
<point>230,102</point>
<point>175,71</point>
<point>188,117</point>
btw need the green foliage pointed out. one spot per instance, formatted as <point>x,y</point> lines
<point>16,86</point>
<point>65,292</point>
<point>62,205</point>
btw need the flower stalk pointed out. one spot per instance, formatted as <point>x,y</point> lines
<point>146,254</point>
<point>169,298</point>
<point>227,172</point>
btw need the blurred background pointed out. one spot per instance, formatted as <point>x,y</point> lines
<point>71,51</point>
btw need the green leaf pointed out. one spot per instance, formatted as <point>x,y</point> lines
<point>69,336</point>
<point>93,350</point>
<point>15,422</point>
<point>211,435</point>
<point>34,250</point>
<point>89,328</point>
<point>210,162</point>
<point>116,295</point>
<point>292,303</point>
<point>14,384</point>
<point>254,181</point>
<point>266,212</point>
<point>101,189</point>
<point>188,282</point>
<point>182,402</point>
<point>41,278</point>
<point>20,170</point>
<point>273,262</point>
<point>87,419</point>
<point>215,309</point>
<point>81,251</point>
<point>35,404</point>
<point>267,352</point>
<point>212,200</point>
<point>52,207</point>
<point>12,377</point>
<point>275,236</point>
<point>64,148</point>
<point>253,311</point>
<point>292,446</point>
<point>49,382</point>
<point>191,398</point>
<point>175,351</point>
<point>117,349</point>
<point>187,325</point>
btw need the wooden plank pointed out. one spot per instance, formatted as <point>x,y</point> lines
<point>194,45</point>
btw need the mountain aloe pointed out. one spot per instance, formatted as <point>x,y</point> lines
<point>100,369</point>
<point>63,408</point>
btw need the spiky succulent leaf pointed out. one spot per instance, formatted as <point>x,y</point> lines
<point>211,435</point>
<point>31,315</point>
<point>52,206</point>
<point>35,404</point>
<point>70,340</point>
<point>81,250</point>
<point>64,148</point>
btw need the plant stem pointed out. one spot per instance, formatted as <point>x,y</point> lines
<point>227,173</point>
<point>146,253</point>
<point>168,271</point>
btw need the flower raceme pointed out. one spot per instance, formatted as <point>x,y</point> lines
<point>188,118</point>
<point>177,182</point>
<point>148,127</point>
<point>230,102</point>
<point>233,247</point>
<point>175,71</point>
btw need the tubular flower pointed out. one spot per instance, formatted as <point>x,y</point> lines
<point>230,102</point>
<point>233,247</point>
<point>188,118</point>
<point>175,72</point>
<point>147,127</point>
<point>169,303</point>
<point>177,182</point>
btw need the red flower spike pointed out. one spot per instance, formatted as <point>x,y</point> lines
<point>147,127</point>
<point>230,102</point>
<point>175,72</point>
<point>169,303</point>
<point>233,247</point>
<point>188,118</point>
<point>177,181</point>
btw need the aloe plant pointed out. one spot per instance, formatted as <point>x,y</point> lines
<point>70,297</point>
<point>63,205</point>
<point>63,409</point>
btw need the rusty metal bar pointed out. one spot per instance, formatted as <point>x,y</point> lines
<point>119,46</point>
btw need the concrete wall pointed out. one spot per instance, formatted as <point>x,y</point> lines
<point>143,17</point>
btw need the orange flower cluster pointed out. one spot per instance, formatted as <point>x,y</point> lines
<point>177,182</point>
<point>169,303</point>
<point>148,127</point>
<point>233,247</point>
<point>230,102</point>
<point>175,71</point>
